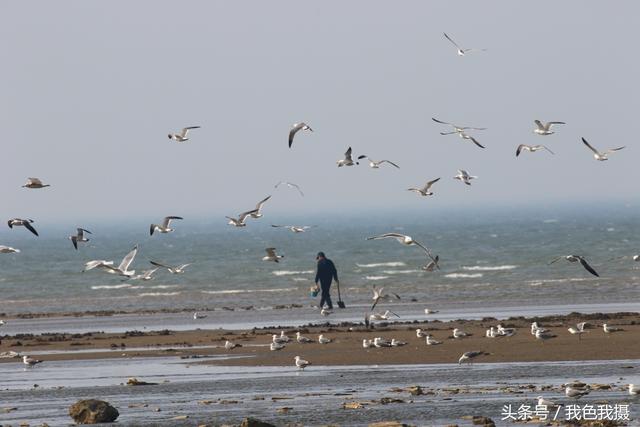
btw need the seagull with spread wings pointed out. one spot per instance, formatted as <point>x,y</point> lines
<point>295,128</point>
<point>272,255</point>
<point>426,190</point>
<point>290,185</point>
<point>79,237</point>
<point>26,223</point>
<point>378,295</point>
<point>462,51</point>
<point>241,220</point>
<point>531,148</point>
<point>577,258</point>
<point>348,160</point>
<point>405,240</point>
<point>376,164</point>
<point>601,156</point>
<point>545,128</point>
<point>121,270</point>
<point>182,136</point>
<point>464,176</point>
<point>164,227</point>
<point>173,270</point>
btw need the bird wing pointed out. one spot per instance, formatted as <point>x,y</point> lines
<point>183,266</point>
<point>540,125</point>
<point>186,130</point>
<point>519,149</point>
<point>244,215</point>
<point>280,226</point>
<point>476,142</point>
<point>271,252</point>
<point>611,150</point>
<point>428,185</point>
<point>426,250</point>
<point>587,267</point>
<point>167,220</point>
<point>157,264</point>
<point>451,40</point>
<point>387,161</point>
<point>347,154</point>
<point>363,156</point>
<point>546,148</point>
<point>387,235</point>
<point>128,259</point>
<point>590,147</point>
<point>555,260</point>
<point>28,226</point>
<point>74,240</point>
<point>463,173</point>
<point>262,202</point>
<point>81,231</point>
<point>293,131</point>
<point>441,122</point>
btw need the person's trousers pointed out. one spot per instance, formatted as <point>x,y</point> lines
<point>325,297</point>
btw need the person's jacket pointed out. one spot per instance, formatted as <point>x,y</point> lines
<point>326,271</point>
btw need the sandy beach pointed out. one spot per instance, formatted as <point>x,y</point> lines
<point>346,346</point>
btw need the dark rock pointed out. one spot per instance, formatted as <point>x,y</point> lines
<point>253,422</point>
<point>92,411</point>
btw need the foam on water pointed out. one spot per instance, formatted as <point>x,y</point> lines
<point>382,264</point>
<point>463,275</point>
<point>489,267</point>
<point>291,272</point>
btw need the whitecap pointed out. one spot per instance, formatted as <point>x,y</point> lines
<point>400,271</point>
<point>463,275</point>
<point>383,264</point>
<point>247,291</point>
<point>291,272</point>
<point>158,294</point>
<point>489,267</point>
<point>120,286</point>
<point>376,277</point>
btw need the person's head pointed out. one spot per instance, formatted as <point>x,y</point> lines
<point>320,256</point>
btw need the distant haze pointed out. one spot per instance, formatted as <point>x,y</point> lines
<point>91,89</point>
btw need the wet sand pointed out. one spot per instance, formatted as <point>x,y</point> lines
<point>346,348</point>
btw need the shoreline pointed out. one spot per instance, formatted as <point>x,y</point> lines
<point>207,346</point>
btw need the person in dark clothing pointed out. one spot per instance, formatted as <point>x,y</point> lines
<point>325,274</point>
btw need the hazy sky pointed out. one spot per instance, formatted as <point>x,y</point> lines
<point>91,89</point>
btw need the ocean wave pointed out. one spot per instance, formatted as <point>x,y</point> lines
<point>463,275</point>
<point>539,282</point>
<point>120,286</point>
<point>382,264</point>
<point>158,294</point>
<point>163,286</point>
<point>489,268</point>
<point>300,279</point>
<point>376,277</point>
<point>247,291</point>
<point>400,271</point>
<point>291,272</point>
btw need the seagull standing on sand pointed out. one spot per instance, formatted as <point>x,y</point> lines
<point>366,343</point>
<point>505,332</point>
<point>164,227</point>
<point>121,270</point>
<point>531,148</point>
<point>548,403</point>
<point>241,220</point>
<point>424,191</point>
<point>323,340</point>
<point>575,392</point>
<point>302,339</point>
<point>464,176</point>
<point>396,343</point>
<point>380,342</point>
<point>597,154</point>
<point>290,185</point>
<point>376,164</point>
<point>79,237</point>
<point>271,255</point>
<point>348,160</point>
<point>30,361</point>
<point>577,258</point>
<point>541,335</point>
<point>609,329</point>
<point>35,183</point>
<point>26,223</point>
<point>278,339</point>
<point>545,128</point>
<point>378,295</point>
<point>634,390</point>
<point>301,363</point>
<point>182,136</point>
<point>8,250</point>
<point>295,128</point>
<point>173,270</point>
<point>230,345</point>
<point>276,346</point>
<point>578,330</point>
<point>420,333</point>
<point>470,355</point>
<point>458,334</point>
<point>284,337</point>
<point>197,316</point>
<point>428,311</point>
<point>461,51</point>
<point>431,341</point>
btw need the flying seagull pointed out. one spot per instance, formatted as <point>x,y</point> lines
<point>425,191</point>
<point>456,128</point>
<point>378,294</point>
<point>164,227</point>
<point>598,155</point>
<point>271,255</point>
<point>376,164</point>
<point>295,128</point>
<point>173,270</point>
<point>8,250</point>
<point>461,51</point>
<point>182,136</point>
<point>79,237</point>
<point>382,316</point>
<point>240,221</point>
<point>545,128</point>
<point>290,185</point>
<point>121,270</point>
<point>469,355</point>
<point>464,176</point>
<point>577,258</point>
<point>433,264</point>
<point>257,212</point>
<point>347,161</point>
<point>35,183</point>
<point>26,223</point>
<point>405,240</point>
<point>146,275</point>
<point>294,228</point>
<point>531,148</point>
